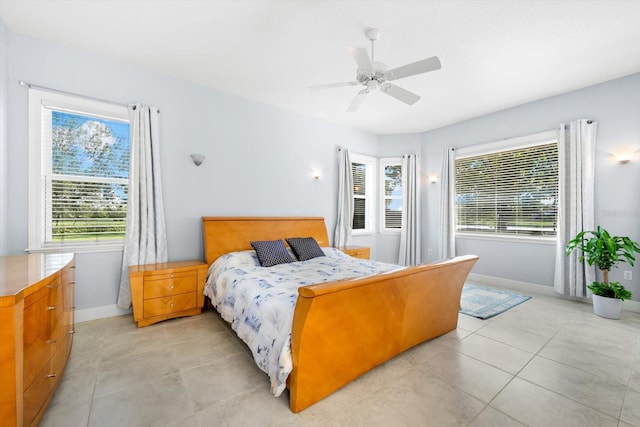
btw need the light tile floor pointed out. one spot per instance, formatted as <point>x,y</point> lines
<point>547,362</point>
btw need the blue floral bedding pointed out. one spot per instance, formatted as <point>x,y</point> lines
<point>259,302</point>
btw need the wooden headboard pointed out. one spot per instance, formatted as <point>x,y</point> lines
<point>230,234</point>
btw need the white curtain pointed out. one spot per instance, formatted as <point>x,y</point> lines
<point>447,243</point>
<point>576,152</point>
<point>342,236</point>
<point>146,239</point>
<point>410,231</point>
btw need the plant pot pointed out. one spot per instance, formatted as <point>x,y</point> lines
<point>609,308</point>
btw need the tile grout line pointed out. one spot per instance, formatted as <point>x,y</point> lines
<point>488,404</point>
<point>555,392</point>
<point>633,365</point>
<point>513,376</point>
<point>95,382</point>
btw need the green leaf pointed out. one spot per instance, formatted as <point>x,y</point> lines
<point>612,290</point>
<point>600,248</point>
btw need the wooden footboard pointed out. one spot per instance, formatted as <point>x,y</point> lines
<point>343,329</point>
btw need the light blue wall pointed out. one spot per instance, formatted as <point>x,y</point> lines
<point>388,243</point>
<point>259,158</point>
<point>4,158</point>
<point>616,107</point>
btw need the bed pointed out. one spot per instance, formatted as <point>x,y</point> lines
<point>343,328</point>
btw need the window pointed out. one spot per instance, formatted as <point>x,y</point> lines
<point>508,189</point>
<point>78,172</point>
<point>363,170</point>
<point>391,196</point>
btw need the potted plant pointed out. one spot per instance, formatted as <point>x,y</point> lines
<point>605,251</point>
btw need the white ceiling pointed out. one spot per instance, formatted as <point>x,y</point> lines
<point>494,54</point>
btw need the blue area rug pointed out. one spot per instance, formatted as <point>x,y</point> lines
<point>479,301</point>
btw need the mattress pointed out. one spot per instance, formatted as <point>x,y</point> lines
<point>259,302</point>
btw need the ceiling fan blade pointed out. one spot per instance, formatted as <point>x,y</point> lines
<point>400,94</point>
<point>419,67</point>
<point>332,85</point>
<point>355,104</point>
<point>361,57</point>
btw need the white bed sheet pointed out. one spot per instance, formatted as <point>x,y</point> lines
<point>259,302</point>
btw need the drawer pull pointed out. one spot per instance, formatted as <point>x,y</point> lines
<point>73,307</point>
<point>52,341</point>
<point>52,307</point>
<point>171,287</point>
<point>72,331</point>
<point>72,283</point>
<point>53,375</point>
<point>53,286</point>
<point>171,305</point>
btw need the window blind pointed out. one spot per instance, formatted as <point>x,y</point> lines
<point>359,171</point>
<point>393,196</point>
<point>511,192</point>
<point>85,170</point>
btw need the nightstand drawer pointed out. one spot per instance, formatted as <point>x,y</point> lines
<point>170,284</point>
<point>171,304</point>
<point>362,252</point>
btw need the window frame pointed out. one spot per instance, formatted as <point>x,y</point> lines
<point>370,192</point>
<point>39,98</point>
<point>384,162</point>
<point>541,138</point>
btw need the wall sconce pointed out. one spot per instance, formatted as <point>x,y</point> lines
<point>316,173</point>
<point>433,179</point>
<point>623,158</point>
<point>198,159</point>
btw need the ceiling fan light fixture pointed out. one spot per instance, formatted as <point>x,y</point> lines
<point>373,74</point>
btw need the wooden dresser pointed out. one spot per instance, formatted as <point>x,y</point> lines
<point>166,290</point>
<point>36,332</point>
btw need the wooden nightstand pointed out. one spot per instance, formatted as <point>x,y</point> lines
<point>166,290</point>
<point>362,252</point>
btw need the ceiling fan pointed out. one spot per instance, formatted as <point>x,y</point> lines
<point>374,75</point>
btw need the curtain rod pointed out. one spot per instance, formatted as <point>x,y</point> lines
<point>30,85</point>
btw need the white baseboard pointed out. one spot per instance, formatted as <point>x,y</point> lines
<point>102,312</point>
<point>514,285</point>
<point>534,288</point>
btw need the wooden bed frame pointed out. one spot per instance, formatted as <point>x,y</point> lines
<point>343,329</point>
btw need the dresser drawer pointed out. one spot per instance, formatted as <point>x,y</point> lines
<point>56,294</point>
<point>37,393</point>
<point>36,316</point>
<point>169,284</point>
<point>59,358</point>
<point>170,304</point>
<point>35,357</point>
<point>69,296</point>
<point>59,331</point>
<point>35,335</point>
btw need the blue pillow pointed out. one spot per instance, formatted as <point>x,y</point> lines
<point>271,252</point>
<point>305,248</point>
